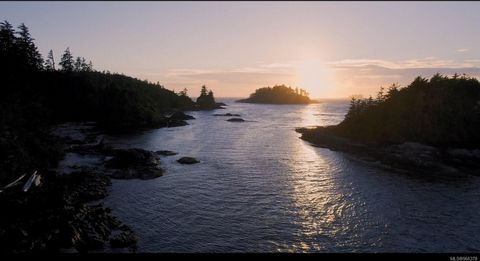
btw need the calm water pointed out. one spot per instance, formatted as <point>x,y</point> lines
<point>259,188</point>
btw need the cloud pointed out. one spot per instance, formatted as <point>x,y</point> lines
<point>427,62</point>
<point>349,76</point>
<point>462,50</point>
<point>236,82</point>
<point>365,76</point>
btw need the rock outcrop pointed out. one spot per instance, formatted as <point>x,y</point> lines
<point>187,160</point>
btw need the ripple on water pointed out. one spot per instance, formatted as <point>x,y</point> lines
<point>259,188</point>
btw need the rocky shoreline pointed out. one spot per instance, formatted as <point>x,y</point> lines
<point>408,156</point>
<point>65,212</point>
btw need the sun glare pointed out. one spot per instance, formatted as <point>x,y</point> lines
<point>314,77</point>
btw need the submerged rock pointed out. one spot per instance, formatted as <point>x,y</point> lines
<point>236,120</point>
<point>187,160</point>
<point>166,152</point>
<point>228,114</point>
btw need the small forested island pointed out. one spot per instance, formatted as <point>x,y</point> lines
<point>430,124</point>
<point>49,110</point>
<point>278,94</point>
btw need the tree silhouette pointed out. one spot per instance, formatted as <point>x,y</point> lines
<point>441,111</point>
<point>77,66</point>
<point>50,62</point>
<point>183,92</point>
<point>206,99</point>
<point>278,94</point>
<point>7,47</point>
<point>27,50</point>
<point>203,91</point>
<point>86,67</point>
<point>66,62</point>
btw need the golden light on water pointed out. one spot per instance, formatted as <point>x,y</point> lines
<point>313,190</point>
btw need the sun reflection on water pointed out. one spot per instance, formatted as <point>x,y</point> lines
<point>315,194</point>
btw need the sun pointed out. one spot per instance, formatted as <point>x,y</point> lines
<point>314,77</point>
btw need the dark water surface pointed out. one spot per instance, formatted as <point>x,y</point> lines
<point>259,188</point>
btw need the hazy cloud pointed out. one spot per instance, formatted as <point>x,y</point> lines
<point>427,62</point>
<point>349,76</point>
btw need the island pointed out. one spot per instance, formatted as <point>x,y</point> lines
<point>279,94</point>
<point>430,125</point>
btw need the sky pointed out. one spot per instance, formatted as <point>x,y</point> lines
<point>331,49</point>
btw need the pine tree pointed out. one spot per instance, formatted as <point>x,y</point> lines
<point>28,52</point>
<point>50,62</point>
<point>206,97</point>
<point>184,92</point>
<point>7,47</point>
<point>203,92</point>
<point>84,65</point>
<point>7,37</point>
<point>77,66</point>
<point>66,62</point>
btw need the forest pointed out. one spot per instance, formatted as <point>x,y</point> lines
<point>441,111</point>
<point>278,94</point>
<point>36,93</point>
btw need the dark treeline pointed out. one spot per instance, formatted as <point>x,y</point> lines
<point>278,94</point>
<point>441,111</point>
<point>36,93</point>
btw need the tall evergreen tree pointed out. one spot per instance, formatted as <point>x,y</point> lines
<point>78,64</point>
<point>66,62</point>
<point>7,47</point>
<point>28,51</point>
<point>203,92</point>
<point>50,62</point>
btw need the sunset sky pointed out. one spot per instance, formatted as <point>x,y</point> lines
<point>332,49</point>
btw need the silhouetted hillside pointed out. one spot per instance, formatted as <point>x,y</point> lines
<point>34,95</point>
<point>279,94</point>
<point>441,111</point>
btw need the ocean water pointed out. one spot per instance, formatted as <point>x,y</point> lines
<point>260,188</point>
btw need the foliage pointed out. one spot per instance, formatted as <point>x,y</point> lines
<point>66,62</point>
<point>441,111</point>
<point>32,98</point>
<point>278,94</point>
<point>206,98</point>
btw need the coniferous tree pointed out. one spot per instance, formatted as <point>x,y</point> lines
<point>206,98</point>
<point>77,66</point>
<point>183,92</point>
<point>66,62</point>
<point>7,47</point>
<point>50,62</point>
<point>28,52</point>
<point>203,92</point>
